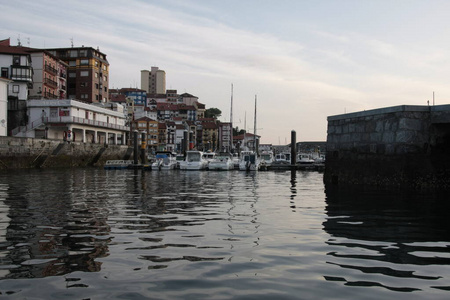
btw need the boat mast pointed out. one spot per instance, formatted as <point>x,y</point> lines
<point>254,131</point>
<point>231,120</point>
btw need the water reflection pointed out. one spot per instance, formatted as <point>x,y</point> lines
<point>190,235</point>
<point>56,234</point>
<point>387,234</point>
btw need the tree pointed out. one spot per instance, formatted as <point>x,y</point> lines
<point>237,131</point>
<point>213,113</point>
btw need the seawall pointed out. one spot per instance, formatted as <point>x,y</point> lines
<point>19,153</point>
<point>393,146</point>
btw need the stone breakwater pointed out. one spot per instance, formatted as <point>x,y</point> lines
<point>394,146</point>
<point>20,153</point>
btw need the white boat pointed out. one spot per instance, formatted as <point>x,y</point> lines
<point>266,159</point>
<point>179,158</point>
<point>223,161</point>
<point>209,156</point>
<point>305,161</point>
<point>193,161</point>
<point>283,158</point>
<point>249,161</point>
<point>164,160</point>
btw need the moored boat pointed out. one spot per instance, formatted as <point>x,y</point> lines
<point>249,161</point>
<point>209,156</point>
<point>283,158</point>
<point>117,164</point>
<point>223,161</point>
<point>164,160</point>
<point>305,161</point>
<point>193,161</point>
<point>266,159</point>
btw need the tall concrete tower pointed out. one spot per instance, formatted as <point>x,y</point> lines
<point>153,81</point>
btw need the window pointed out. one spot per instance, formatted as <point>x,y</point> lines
<point>64,111</point>
<point>83,53</point>
<point>83,84</point>
<point>84,62</point>
<point>16,60</point>
<point>15,89</point>
<point>5,73</point>
<point>73,53</point>
<point>72,74</point>
<point>84,73</point>
<point>96,86</point>
<point>72,63</point>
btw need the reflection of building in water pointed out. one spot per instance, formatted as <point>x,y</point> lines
<point>380,232</point>
<point>4,222</point>
<point>53,231</point>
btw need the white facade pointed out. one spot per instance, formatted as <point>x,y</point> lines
<point>71,120</point>
<point>3,106</point>
<point>15,63</point>
<point>140,112</point>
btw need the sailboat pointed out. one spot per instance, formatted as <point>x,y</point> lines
<point>250,160</point>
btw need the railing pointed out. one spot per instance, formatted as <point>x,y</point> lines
<point>51,83</point>
<point>51,69</point>
<point>22,78</point>
<point>48,95</point>
<point>31,126</point>
<point>65,120</point>
<point>77,120</point>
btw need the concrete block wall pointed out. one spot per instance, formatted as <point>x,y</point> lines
<point>390,146</point>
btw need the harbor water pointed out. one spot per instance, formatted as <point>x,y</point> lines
<point>132,234</point>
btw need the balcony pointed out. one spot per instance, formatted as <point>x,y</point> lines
<point>48,95</point>
<point>51,83</point>
<point>22,73</point>
<point>51,70</point>
<point>83,121</point>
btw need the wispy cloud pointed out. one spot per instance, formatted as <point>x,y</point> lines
<point>313,68</point>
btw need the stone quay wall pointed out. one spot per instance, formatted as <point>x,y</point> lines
<point>20,153</point>
<point>394,146</point>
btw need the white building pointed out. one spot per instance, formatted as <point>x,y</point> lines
<point>3,106</point>
<point>71,120</point>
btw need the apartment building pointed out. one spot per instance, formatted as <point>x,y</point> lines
<point>87,74</point>
<point>153,81</point>
<point>49,76</point>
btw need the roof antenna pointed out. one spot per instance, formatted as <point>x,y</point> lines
<point>18,41</point>
<point>71,42</point>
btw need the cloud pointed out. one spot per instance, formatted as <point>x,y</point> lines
<point>302,70</point>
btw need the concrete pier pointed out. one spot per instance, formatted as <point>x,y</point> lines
<point>393,146</point>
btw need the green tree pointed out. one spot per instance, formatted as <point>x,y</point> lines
<point>213,113</point>
<point>237,131</point>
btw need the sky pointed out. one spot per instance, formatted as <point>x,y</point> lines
<point>302,61</point>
